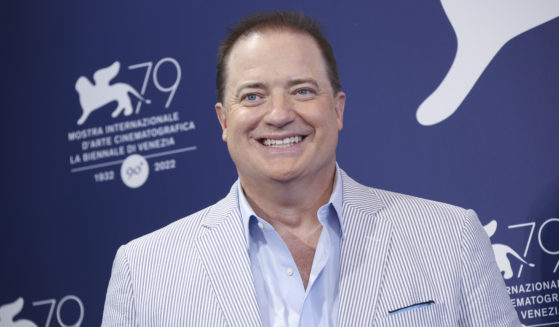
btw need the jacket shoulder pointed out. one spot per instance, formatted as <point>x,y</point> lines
<point>180,234</point>
<point>398,207</point>
<point>187,226</point>
<point>418,205</point>
<point>411,214</point>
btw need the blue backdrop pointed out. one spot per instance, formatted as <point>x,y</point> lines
<point>69,197</point>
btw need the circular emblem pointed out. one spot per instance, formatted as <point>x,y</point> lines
<point>134,171</point>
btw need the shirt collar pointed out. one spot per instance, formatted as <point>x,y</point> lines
<point>336,200</point>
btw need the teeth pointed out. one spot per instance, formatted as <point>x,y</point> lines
<point>288,141</point>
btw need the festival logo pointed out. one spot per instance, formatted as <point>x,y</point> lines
<point>134,171</point>
<point>502,252</point>
<point>536,300</point>
<point>72,315</point>
<point>8,313</point>
<point>95,96</point>
<point>138,142</point>
<point>482,28</point>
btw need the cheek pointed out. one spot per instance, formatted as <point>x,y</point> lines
<point>242,121</point>
<point>326,128</point>
<point>324,120</point>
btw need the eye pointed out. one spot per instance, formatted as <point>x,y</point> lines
<point>305,93</point>
<point>251,99</point>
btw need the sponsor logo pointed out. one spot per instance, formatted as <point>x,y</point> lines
<point>482,28</point>
<point>126,136</point>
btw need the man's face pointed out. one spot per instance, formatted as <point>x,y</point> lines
<point>280,117</point>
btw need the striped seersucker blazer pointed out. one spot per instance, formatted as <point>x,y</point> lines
<point>405,261</point>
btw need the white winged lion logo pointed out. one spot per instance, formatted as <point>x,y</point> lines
<point>502,251</point>
<point>95,96</point>
<point>482,27</point>
<point>8,313</point>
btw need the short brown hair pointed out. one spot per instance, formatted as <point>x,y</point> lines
<point>298,22</point>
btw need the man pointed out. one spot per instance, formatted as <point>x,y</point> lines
<point>297,242</point>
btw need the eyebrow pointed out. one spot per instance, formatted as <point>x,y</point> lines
<point>303,81</point>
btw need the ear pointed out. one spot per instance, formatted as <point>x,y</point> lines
<point>339,106</point>
<point>222,117</point>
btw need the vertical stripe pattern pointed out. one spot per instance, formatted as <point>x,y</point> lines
<point>405,261</point>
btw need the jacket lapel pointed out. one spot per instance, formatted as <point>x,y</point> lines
<point>407,289</point>
<point>380,272</point>
<point>364,250</point>
<point>223,252</point>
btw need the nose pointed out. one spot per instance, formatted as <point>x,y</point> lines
<point>281,112</point>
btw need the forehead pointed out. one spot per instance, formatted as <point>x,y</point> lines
<point>275,52</point>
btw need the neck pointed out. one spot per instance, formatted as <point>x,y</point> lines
<point>290,204</point>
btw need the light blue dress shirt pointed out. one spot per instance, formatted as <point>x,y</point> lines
<point>281,297</point>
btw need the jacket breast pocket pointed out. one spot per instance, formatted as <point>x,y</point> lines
<point>432,315</point>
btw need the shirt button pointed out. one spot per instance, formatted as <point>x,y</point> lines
<point>289,271</point>
<point>261,225</point>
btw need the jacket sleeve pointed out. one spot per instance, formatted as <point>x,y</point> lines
<point>483,300</point>
<point>119,304</point>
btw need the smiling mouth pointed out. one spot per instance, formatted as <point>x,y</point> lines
<point>283,143</point>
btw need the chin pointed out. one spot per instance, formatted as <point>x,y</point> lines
<point>283,175</point>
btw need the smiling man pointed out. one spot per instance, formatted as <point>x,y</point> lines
<point>297,242</point>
